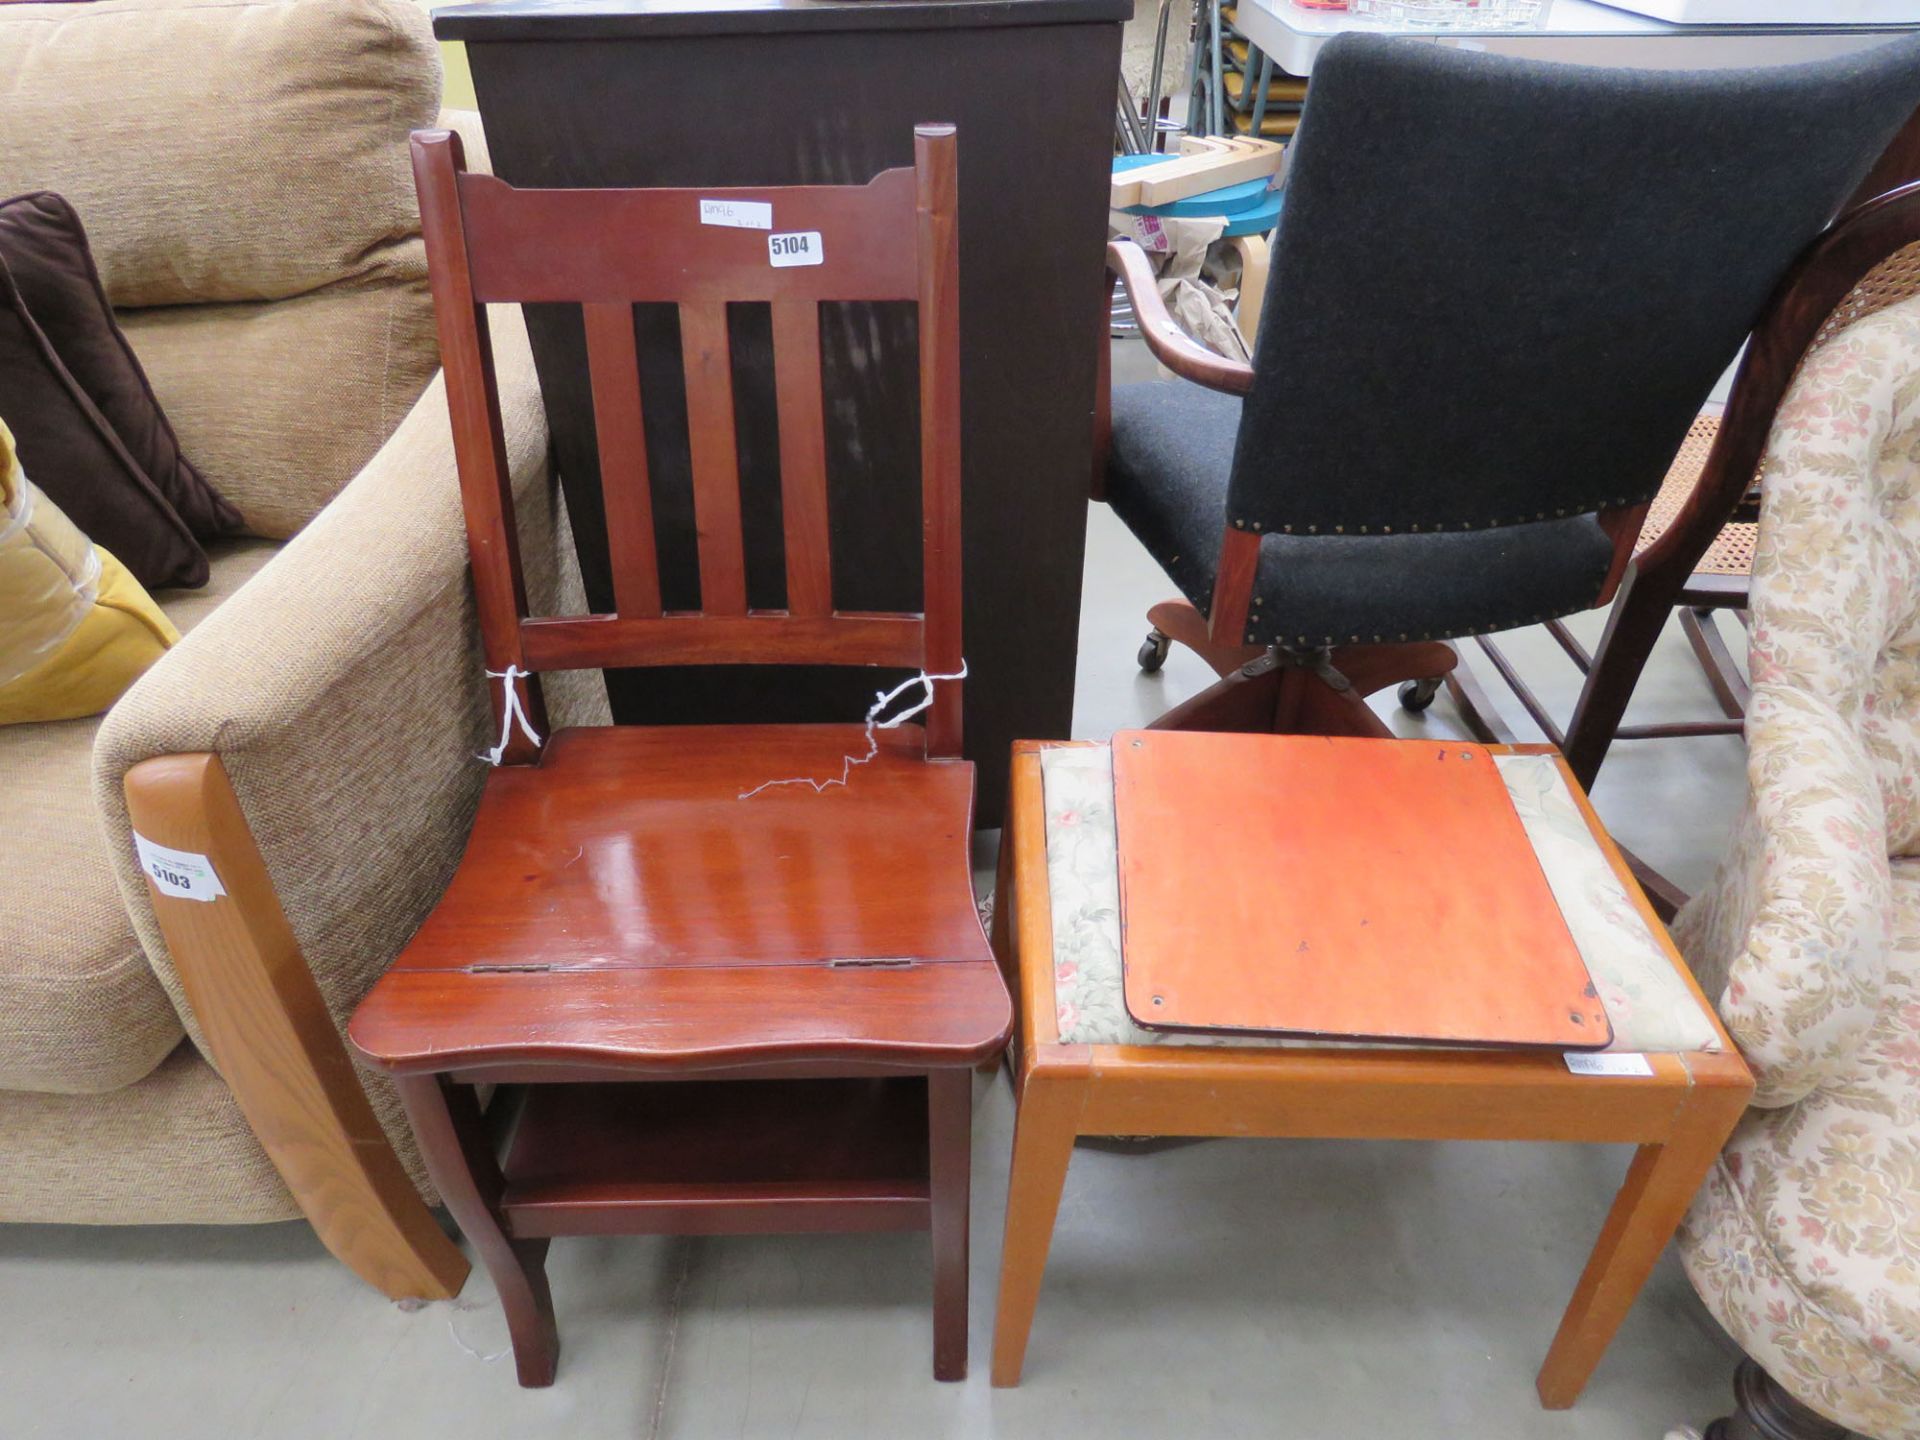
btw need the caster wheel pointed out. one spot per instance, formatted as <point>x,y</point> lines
<point>1153,652</point>
<point>1417,695</point>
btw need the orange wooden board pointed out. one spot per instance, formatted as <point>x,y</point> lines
<point>1340,889</point>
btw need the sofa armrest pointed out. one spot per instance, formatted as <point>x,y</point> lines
<point>261,1015</point>
<point>343,689</point>
<point>1791,935</point>
<point>336,704</point>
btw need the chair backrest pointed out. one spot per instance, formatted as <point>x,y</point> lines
<point>1502,289</point>
<point>893,239</point>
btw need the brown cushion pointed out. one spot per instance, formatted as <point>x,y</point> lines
<point>281,404</point>
<point>70,451</point>
<point>223,149</point>
<point>45,246</point>
<point>80,1009</point>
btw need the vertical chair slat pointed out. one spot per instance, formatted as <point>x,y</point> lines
<point>715,455</point>
<point>937,208</point>
<point>803,455</point>
<point>488,240</point>
<point>614,366</point>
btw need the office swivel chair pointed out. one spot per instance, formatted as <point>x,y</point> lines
<point>1501,292</point>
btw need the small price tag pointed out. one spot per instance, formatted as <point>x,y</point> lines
<point>739,214</point>
<point>178,872</point>
<point>799,247</point>
<point>1588,1063</point>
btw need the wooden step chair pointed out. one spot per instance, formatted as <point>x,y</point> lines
<point>1463,432</point>
<point>1694,552</point>
<point>718,1004</point>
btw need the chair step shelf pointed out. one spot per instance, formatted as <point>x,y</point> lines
<point>718,1157</point>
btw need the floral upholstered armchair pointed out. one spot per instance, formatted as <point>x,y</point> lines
<point>1805,1240</point>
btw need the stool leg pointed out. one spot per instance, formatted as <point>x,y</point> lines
<point>1652,1202</point>
<point>453,1139</point>
<point>950,1163</point>
<point>1254,265</point>
<point>1043,1134</point>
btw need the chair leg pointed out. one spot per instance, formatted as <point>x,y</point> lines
<point>1179,621</point>
<point>1000,941</point>
<point>1476,706</point>
<point>453,1139</point>
<point>1372,668</point>
<point>1710,649</point>
<point>1000,933</point>
<point>1043,1134</point>
<point>1634,622</point>
<point>1665,896</point>
<point>1267,695</point>
<point>1254,265</point>
<point>950,1164</point>
<point>1653,1200</point>
<point>1241,702</point>
<point>1219,94</point>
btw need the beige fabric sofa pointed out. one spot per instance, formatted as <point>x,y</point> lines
<point>242,169</point>
<point>1805,1239</point>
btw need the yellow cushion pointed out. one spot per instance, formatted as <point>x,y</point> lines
<point>77,628</point>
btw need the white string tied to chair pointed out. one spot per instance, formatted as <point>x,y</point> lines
<point>881,700</point>
<point>511,711</point>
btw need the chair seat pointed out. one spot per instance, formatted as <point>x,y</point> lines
<point>1652,1009</point>
<point>1172,449</point>
<point>620,904</point>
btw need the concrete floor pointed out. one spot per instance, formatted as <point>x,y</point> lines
<point>1290,1291</point>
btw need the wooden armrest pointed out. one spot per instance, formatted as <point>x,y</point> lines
<point>1171,345</point>
<point>269,1030</point>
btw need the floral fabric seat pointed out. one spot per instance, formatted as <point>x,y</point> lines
<point>1805,1240</point>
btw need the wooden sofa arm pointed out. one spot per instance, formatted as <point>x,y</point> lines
<point>274,1042</point>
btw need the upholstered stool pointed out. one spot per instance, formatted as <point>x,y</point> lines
<point>1083,1067</point>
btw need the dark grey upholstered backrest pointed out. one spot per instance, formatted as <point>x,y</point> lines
<point>1502,288</point>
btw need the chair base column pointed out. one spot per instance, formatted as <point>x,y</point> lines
<point>1765,1411</point>
<point>1275,694</point>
